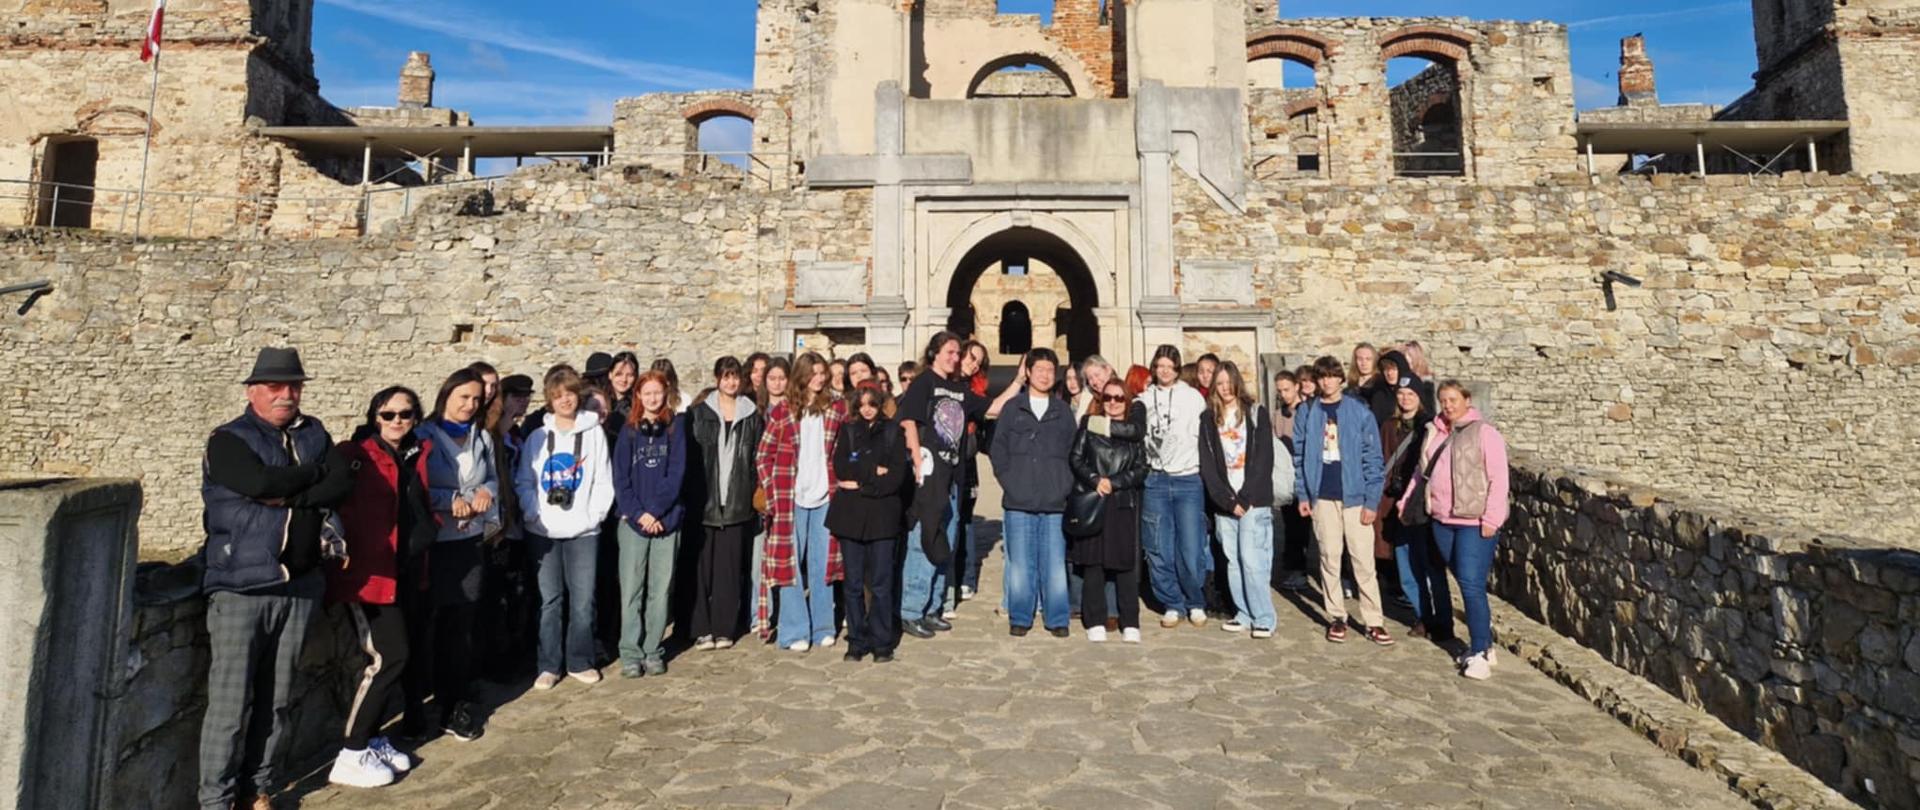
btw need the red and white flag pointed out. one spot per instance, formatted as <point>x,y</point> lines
<point>150,47</point>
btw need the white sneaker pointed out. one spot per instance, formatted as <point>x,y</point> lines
<point>799,646</point>
<point>361,769</point>
<point>394,757</point>
<point>1478,667</point>
<point>1262,632</point>
<point>1130,635</point>
<point>586,676</point>
<point>547,680</point>
<point>826,642</point>
<point>1198,617</point>
<point>723,644</point>
<point>965,593</point>
<point>1096,634</point>
<point>1170,619</point>
<point>1493,657</point>
<point>1233,627</point>
<point>704,643</point>
<point>949,614</point>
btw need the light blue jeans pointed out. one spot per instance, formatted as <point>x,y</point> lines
<point>1248,543</point>
<point>806,607</point>
<point>923,585</point>
<point>1036,574</point>
<point>1173,528</point>
<point>1424,583</point>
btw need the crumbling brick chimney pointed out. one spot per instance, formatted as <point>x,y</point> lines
<point>1636,74</point>
<point>416,80</point>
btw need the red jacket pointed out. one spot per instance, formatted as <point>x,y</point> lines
<point>777,460</point>
<point>371,573</point>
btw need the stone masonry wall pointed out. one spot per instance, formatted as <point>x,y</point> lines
<point>556,265</point>
<point>1804,642</point>
<point>1762,365</point>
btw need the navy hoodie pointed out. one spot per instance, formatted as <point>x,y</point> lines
<point>648,470</point>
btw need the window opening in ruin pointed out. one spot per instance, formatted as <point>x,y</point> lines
<point>1016,328</point>
<point>1021,76</point>
<point>1285,98</point>
<point>1427,132</point>
<point>723,139</point>
<point>67,179</point>
<point>1014,266</point>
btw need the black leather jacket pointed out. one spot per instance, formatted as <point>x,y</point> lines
<point>1123,461</point>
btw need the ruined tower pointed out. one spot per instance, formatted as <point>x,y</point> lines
<point>1834,60</point>
<point>1636,74</point>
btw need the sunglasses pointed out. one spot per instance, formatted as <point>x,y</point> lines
<point>389,416</point>
<point>1110,398</point>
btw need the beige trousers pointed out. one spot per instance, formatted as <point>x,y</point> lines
<point>1337,529</point>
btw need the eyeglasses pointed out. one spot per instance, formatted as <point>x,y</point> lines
<point>389,416</point>
<point>1109,398</point>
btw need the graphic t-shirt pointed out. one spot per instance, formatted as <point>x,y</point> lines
<point>563,469</point>
<point>941,409</point>
<point>1330,488</point>
<point>1233,449</point>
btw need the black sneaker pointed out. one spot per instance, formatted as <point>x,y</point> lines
<point>1017,630</point>
<point>883,657</point>
<point>937,623</point>
<point>1059,632</point>
<point>461,724</point>
<point>854,655</point>
<point>917,628</point>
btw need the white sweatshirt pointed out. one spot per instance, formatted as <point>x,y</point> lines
<point>590,476</point>
<point>1173,428</point>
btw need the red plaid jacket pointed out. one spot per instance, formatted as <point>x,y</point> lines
<point>777,462</point>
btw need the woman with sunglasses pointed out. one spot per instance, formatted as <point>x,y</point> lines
<point>389,526</point>
<point>1113,464</point>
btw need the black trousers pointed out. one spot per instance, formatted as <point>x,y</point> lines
<point>872,574</point>
<point>440,629</point>
<point>1295,533</point>
<point>1093,597</point>
<point>382,630</point>
<point>719,580</point>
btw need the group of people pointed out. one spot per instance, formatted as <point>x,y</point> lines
<point>800,502</point>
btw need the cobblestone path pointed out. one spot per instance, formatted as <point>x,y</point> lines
<point>1193,717</point>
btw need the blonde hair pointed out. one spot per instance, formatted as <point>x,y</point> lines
<point>1353,372</point>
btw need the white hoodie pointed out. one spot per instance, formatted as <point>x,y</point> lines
<point>590,475</point>
<point>1173,428</point>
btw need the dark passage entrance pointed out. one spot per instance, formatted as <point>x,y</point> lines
<point>66,201</point>
<point>1075,320</point>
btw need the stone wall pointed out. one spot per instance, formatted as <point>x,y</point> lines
<point>1804,642</point>
<point>521,279</point>
<point>1760,365</point>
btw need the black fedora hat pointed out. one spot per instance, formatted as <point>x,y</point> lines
<point>277,365</point>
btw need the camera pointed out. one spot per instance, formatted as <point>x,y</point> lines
<point>561,497</point>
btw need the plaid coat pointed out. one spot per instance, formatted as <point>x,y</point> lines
<point>777,460</point>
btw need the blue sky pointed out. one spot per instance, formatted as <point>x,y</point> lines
<point>566,61</point>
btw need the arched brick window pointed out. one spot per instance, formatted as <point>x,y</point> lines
<point>1428,67</point>
<point>1022,75</point>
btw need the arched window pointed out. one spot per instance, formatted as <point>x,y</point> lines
<point>1021,76</point>
<point>1285,95</point>
<point>1016,328</point>
<point>719,130</point>
<point>1426,71</point>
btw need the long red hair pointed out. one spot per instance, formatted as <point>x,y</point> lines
<point>1137,378</point>
<point>665,414</point>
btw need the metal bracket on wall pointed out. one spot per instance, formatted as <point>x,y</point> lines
<point>33,289</point>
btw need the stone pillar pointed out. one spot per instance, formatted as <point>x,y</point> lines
<point>1262,14</point>
<point>1636,74</point>
<point>416,80</point>
<point>887,309</point>
<point>1158,310</point>
<point>67,554</point>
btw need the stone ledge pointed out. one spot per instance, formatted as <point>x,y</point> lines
<point>1760,775</point>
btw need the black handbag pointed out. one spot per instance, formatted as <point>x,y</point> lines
<point>1415,512</point>
<point>1085,513</point>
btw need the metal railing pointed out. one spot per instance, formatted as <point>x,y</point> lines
<point>357,211</point>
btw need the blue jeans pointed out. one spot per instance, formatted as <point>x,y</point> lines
<point>1173,528</point>
<point>1424,583</point>
<point>806,612</point>
<point>1036,572</point>
<point>1471,558</point>
<point>1248,543</point>
<point>923,585</point>
<point>566,571</point>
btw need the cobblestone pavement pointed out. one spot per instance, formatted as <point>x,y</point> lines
<point>1194,717</point>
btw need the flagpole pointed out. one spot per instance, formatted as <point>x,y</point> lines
<point>146,151</point>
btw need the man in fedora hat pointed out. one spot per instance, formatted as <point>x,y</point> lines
<point>266,479</point>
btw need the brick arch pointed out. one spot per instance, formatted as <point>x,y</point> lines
<point>1079,82</point>
<point>700,112</point>
<point>1436,42</point>
<point>1294,44</point>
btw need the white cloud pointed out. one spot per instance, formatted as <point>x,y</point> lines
<point>1694,11</point>
<point>462,24</point>
<point>1589,92</point>
<point>488,58</point>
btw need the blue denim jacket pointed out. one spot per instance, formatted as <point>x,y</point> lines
<point>1363,475</point>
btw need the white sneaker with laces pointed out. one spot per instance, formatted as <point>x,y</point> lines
<point>704,643</point>
<point>1170,619</point>
<point>1130,635</point>
<point>1096,634</point>
<point>1262,632</point>
<point>825,642</point>
<point>723,644</point>
<point>361,769</point>
<point>1477,668</point>
<point>547,680</point>
<point>965,593</point>
<point>799,646</point>
<point>1198,617</point>
<point>394,757</point>
<point>586,676</point>
<point>1233,626</point>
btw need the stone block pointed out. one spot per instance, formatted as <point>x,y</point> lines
<point>827,283</point>
<point>1215,282</point>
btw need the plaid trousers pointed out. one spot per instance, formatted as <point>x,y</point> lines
<point>256,643</point>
